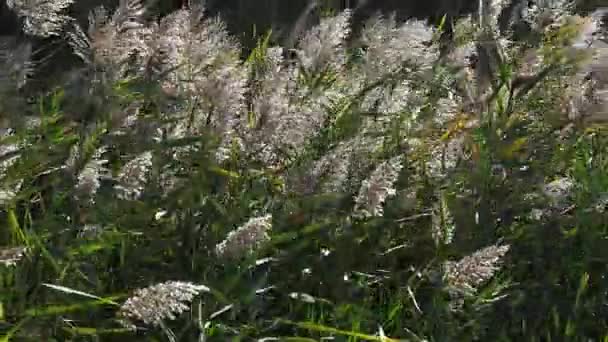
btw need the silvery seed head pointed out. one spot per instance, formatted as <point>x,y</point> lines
<point>558,191</point>
<point>322,46</point>
<point>43,18</point>
<point>10,256</point>
<point>390,46</point>
<point>89,178</point>
<point>377,188</point>
<point>470,272</point>
<point>246,239</point>
<point>155,304</point>
<point>133,177</point>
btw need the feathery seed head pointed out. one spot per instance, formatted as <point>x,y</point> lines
<point>88,179</point>
<point>246,239</point>
<point>342,169</point>
<point>493,12</point>
<point>133,177</point>
<point>543,13</point>
<point>200,62</point>
<point>10,188</point>
<point>377,188</point>
<point>389,47</point>
<point>5,150</point>
<point>10,256</point>
<point>446,110</point>
<point>558,191</point>
<point>322,46</point>
<point>467,274</point>
<point>445,157</point>
<point>165,301</point>
<point>42,18</point>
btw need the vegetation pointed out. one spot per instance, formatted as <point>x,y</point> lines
<point>381,187</point>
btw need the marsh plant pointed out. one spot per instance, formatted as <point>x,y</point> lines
<point>381,186</point>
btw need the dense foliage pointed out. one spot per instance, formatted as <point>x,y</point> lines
<point>385,186</point>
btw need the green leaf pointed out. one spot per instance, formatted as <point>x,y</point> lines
<point>18,235</point>
<point>63,309</point>
<point>86,331</point>
<point>582,287</point>
<point>79,293</point>
<point>326,329</point>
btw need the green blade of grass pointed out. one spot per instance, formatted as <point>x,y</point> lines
<point>63,309</point>
<point>326,329</point>
<point>87,331</point>
<point>79,293</point>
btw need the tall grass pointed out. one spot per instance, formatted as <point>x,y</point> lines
<point>375,187</point>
